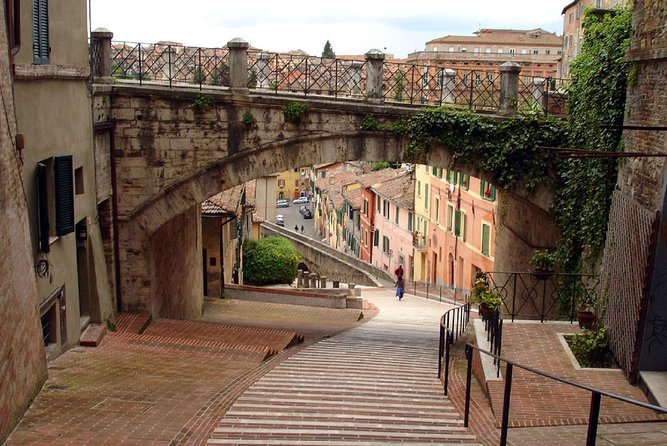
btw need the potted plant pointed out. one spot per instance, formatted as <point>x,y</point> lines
<point>586,314</point>
<point>543,263</point>
<point>487,299</point>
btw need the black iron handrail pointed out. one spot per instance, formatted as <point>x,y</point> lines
<point>596,395</point>
<point>452,325</point>
<point>551,296</point>
<point>493,326</point>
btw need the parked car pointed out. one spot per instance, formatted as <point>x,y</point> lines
<point>282,203</point>
<point>303,208</point>
<point>300,200</point>
<point>280,222</point>
<point>307,214</point>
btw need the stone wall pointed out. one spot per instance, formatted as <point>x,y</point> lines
<point>176,263</point>
<point>642,182</point>
<point>22,355</point>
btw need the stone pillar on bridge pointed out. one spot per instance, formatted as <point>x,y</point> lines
<point>101,40</point>
<point>263,70</point>
<point>238,65</point>
<point>306,279</point>
<point>355,78</point>
<point>537,92</point>
<point>374,76</point>
<point>299,278</point>
<point>169,63</point>
<point>448,85</point>
<point>323,281</point>
<point>509,87</point>
<point>313,280</point>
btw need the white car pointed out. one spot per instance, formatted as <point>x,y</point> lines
<point>282,203</point>
<point>300,200</point>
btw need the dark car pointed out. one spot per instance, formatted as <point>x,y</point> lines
<point>307,214</point>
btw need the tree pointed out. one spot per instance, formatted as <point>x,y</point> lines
<point>328,51</point>
<point>269,260</point>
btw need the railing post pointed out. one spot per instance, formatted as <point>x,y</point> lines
<point>441,350</point>
<point>509,88</point>
<point>448,85</point>
<point>593,418</point>
<point>537,90</point>
<point>466,413</point>
<point>448,344</point>
<point>374,76</point>
<point>169,64</point>
<point>263,70</point>
<point>101,39</point>
<point>238,65</point>
<point>506,404</point>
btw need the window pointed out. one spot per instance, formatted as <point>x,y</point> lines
<point>488,50</point>
<point>281,183</point>
<point>78,181</point>
<point>451,49</point>
<point>436,209</point>
<point>547,52</point>
<point>425,196</point>
<point>385,244</point>
<point>500,51</point>
<point>512,50</point>
<point>376,238</point>
<point>475,50</point>
<point>487,191</point>
<point>396,217</point>
<point>296,183</point>
<point>40,31</point>
<point>55,178</point>
<point>465,181</point>
<point>464,50</point>
<point>365,207</point>
<point>460,223</point>
<point>536,52</point>
<point>571,17</point>
<point>478,79</point>
<point>385,209</point>
<point>452,177</point>
<point>410,217</point>
<point>486,239</point>
<point>13,11</point>
<point>524,51</point>
<point>378,206</point>
<point>419,188</point>
<point>450,217</point>
<point>425,77</point>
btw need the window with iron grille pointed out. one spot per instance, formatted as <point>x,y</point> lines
<point>40,31</point>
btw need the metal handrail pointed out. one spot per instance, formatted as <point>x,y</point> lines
<point>452,325</point>
<point>407,83</point>
<point>596,394</point>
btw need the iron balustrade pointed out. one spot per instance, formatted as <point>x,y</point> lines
<point>493,326</point>
<point>554,296</point>
<point>452,325</point>
<point>435,291</point>
<point>596,394</point>
<point>402,83</point>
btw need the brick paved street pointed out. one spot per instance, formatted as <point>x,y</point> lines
<point>193,382</point>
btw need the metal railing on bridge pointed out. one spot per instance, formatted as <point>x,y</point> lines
<point>403,83</point>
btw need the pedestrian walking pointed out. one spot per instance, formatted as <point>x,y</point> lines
<point>296,228</point>
<point>399,288</point>
<point>302,229</point>
<point>399,272</point>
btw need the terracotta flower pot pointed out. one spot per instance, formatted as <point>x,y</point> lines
<point>586,319</point>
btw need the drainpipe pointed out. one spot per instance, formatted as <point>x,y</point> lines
<point>114,213</point>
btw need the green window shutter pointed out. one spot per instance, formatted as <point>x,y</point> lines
<point>482,183</point>
<point>396,219</point>
<point>376,238</point>
<point>40,31</point>
<point>435,171</point>
<point>457,224</point>
<point>64,194</point>
<point>43,207</point>
<point>409,221</point>
<point>464,226</point>
<point>486,239</point>
<point>426,196</point>
<point>448,176</point>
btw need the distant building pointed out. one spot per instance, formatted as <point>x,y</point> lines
<point>537,50</point>
<point>573,17</point>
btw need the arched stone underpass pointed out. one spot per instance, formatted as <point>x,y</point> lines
<point>169,156</point>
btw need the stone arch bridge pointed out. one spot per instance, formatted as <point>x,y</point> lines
<point>171,147</point>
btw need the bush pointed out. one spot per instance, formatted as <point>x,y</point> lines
<point>271,260</point>
<point>591,348</point>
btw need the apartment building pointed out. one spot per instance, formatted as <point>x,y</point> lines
<point>292,184</point>
<point>392,238</point>
<point>537,50</point>
<point>67,201</point>
<point>454,228</point>
<point>573,33</point>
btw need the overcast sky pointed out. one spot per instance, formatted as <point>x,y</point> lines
<point>352,27</point>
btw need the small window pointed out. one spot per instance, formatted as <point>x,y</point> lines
<point>512,50</point>
<point>535,52</point>
<point>78,181</point>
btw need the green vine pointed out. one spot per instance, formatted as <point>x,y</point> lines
<point>294,111</point>
<point>249,120</point>
<point>596,99</point>
<point>202,102</point>
<point>508,149</point>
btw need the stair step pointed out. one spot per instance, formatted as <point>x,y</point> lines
<point>92,336</point>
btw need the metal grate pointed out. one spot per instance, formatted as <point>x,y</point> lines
<point>626,259</point>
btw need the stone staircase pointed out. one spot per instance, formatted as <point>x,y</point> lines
<point>376,384</point>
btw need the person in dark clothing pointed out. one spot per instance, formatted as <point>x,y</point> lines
<point>399,288</point>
